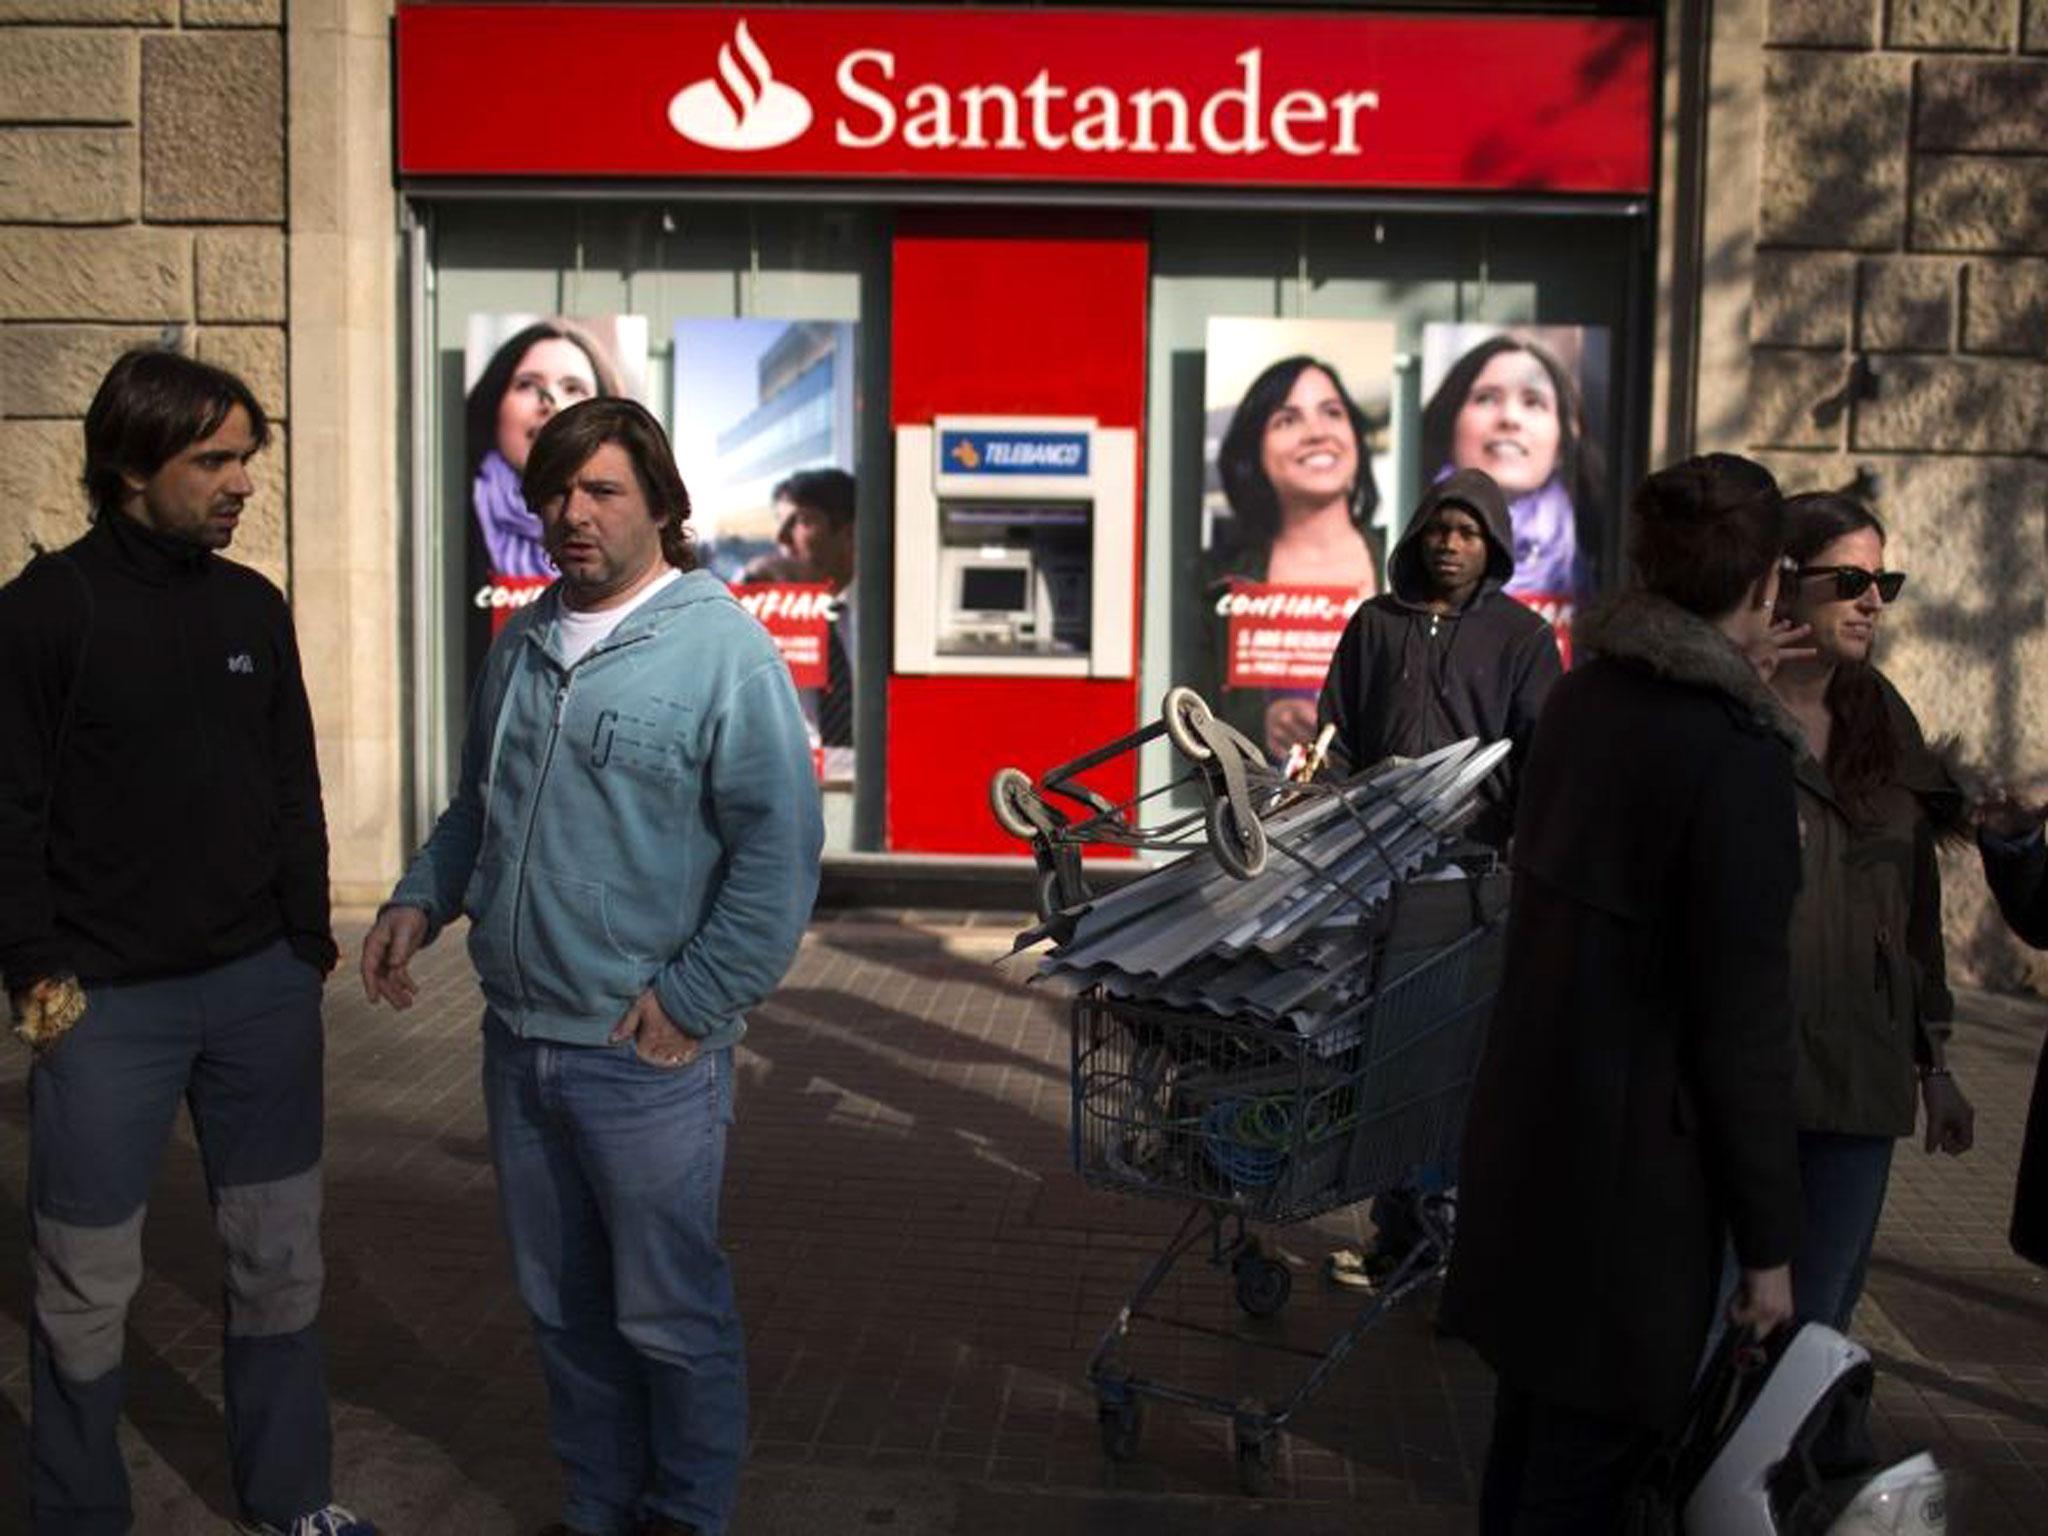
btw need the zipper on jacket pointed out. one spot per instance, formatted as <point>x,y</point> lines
<point>547,759</point>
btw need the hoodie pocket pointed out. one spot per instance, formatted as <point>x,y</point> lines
<point>567,947</point>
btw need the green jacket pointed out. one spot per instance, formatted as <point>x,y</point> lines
<point>1869,978</point>
<point>646,818</point>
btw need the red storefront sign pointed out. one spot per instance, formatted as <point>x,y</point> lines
<point>796,615</point>
<point>1283,636</point>
<point>1540,103</point>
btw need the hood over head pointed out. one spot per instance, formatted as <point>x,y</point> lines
<point>1475,491</point>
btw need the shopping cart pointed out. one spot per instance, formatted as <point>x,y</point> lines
<point>1249,1123</point>
<point>1267,1044</point>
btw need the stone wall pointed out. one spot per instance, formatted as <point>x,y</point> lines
<point>1900,340</point>
<point>142,200</point>
<point>155,189</point>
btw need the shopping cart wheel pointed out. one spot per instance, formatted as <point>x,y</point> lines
<point>1263,1284</point>
<point>1008,792</point>
<point>1184,712</point>
<point>1255,1462</point>
<point>1239,845</point>
<point>1121,1423</point>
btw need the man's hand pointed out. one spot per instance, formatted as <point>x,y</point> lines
<point>1780,645</point>
<point>388,952</point>
<point>45,1010</point>
<point>1951,1122</point>
<point>656,1040</point>
<point>1289,722</point>
<point>1763,1301</point>
<point>2008,815</point>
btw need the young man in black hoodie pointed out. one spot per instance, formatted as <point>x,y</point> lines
<point>164,935</point>
<point>1442,655</point>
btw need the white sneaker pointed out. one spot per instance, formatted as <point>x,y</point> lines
<point>331,1521</point>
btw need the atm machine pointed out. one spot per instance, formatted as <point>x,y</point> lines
<point>1016,548</point>
<point>1015,624</point>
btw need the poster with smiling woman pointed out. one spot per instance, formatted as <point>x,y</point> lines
<point>1296,443</point>
<point>1528,404</point>
<point>518,370</point>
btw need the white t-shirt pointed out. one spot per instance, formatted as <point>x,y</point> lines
<point>578,631</point>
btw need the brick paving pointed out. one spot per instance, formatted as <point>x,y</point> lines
<point>923,1278</point>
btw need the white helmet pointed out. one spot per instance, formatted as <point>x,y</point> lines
<point>1770,1465</point>
<point>1910,1499</point>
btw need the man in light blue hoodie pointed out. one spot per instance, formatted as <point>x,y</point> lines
<point>634,839</point>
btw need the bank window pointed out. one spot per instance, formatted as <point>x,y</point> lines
<point>1311,375</point>
<point>741,328</point>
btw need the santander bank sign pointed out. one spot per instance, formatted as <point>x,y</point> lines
<point>745,107</point>
<point>1540,103</point>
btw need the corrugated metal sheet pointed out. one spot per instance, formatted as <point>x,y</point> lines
<point>1292,945</point>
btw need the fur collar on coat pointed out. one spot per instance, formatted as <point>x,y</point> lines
<point>1655,633</point>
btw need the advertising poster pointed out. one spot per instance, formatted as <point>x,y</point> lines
<point>764,426</point>
<point>1296,448</point>
<point>518,370</point>
<point>1529,405</point>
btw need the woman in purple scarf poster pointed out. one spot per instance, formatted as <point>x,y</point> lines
<point>540,369</point>
<point>1509,407</point>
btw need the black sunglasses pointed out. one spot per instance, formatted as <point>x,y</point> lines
<point>1852,581</point>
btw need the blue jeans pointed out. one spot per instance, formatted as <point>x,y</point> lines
<point>1843,1179</point>
<point>241,1045</point>
<point>608,1180</point>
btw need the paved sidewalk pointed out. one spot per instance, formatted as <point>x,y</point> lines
<point>923,1278</point>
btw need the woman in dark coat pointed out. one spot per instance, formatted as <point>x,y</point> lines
<point>1634,1104</point>
<point>1873,799</point>
<point>2016,866</point>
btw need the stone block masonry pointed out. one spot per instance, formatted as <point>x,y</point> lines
<point>61,75</point>
<point>142,202</point>
<point>1899,333</point>
<point>2005,307</point>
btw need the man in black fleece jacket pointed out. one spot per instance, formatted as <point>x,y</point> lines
<point>1442,655</point>
<point>163,857</point>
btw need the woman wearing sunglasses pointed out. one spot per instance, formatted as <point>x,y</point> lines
<point>1869,988</point>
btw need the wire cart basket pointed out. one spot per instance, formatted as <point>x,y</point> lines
<point>1178,1094</point>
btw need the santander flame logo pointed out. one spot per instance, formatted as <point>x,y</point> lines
<point>744,106</point>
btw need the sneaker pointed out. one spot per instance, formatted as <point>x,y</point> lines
<point>1358,1271</point>
<point>331,1521</point>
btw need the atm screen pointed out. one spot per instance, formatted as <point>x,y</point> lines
<point>995,589</point>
